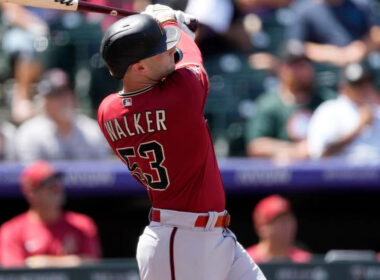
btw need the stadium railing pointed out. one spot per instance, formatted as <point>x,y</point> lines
<point>240,176</point>
<point>126,269</point>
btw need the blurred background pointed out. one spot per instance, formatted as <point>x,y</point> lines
<point>294,110</point>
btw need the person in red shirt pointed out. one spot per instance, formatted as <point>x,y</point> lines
<point>46,235</point>
<point>276,227</point>
<point>155,125</point>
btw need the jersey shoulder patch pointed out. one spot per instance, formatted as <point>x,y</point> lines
<point>195,69</point>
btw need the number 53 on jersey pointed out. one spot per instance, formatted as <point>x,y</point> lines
<point>145,164</point>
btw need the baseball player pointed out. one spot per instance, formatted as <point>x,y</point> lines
<point>155,125</point>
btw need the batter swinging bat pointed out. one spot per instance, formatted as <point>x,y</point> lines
<point>72,5</point>
<point>75,5</point>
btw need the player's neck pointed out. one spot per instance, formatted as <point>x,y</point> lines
<point>133,83</point>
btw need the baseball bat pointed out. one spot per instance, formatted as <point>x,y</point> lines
<point>72,5</point>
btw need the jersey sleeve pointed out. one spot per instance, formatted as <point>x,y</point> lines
<point>192,60</point>
<point>189,49</point>
<point>90,246</point>
<point>11,249</point>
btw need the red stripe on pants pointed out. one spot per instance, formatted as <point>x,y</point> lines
<point>172,271</point>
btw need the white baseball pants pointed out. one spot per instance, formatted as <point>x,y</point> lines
<point>174,249</point>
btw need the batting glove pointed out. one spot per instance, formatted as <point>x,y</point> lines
<point>164,13</point>
<point>160,12</point>
<point>188,23</point>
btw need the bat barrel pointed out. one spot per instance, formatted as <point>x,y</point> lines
<point>89,7</point>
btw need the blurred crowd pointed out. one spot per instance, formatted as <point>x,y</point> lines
<point>290,80</point>
<point>280,72</point>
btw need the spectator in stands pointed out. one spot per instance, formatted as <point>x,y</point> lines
<point>261,6</point>
<point>59,133</point>
<point>276,227</point>
<point>335,31</point>
<point>348,126</point>
<point>7,149</point>
<point>46,235</point>
<point>174,4</point>
<point>22,41</point>
<point>278,127</point>
<point>220,27</point>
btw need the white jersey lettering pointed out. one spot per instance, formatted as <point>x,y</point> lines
<point>160,120</point>
<point>148,121</point>
<point>130,133</point>
<point>138,127</point>
<point>110,131</point>
<point>119,130</point>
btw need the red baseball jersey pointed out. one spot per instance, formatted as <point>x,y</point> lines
<point>160,133</point>
<point>24,236</point>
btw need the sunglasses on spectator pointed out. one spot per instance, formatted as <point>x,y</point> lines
<point>49,181</point>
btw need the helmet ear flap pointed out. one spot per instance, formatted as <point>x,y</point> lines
<point>116,71</point>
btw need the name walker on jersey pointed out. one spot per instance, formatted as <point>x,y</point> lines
<point>136,124</point>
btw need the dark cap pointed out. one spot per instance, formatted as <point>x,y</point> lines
<point>293,51</point>
<point>54,81</point>
<point>355,73</point>
<point>134,38</point>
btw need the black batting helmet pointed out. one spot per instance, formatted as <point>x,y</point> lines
<point>133,38</point>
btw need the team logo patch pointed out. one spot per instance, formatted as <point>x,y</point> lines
<point>195,70</point>
<point>127,102</point>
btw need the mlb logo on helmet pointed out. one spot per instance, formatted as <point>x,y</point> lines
<point>127,102</point>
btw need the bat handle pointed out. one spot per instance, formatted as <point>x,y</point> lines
<point>89,7</point>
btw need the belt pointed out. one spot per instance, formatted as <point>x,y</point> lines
<point>201,220</point>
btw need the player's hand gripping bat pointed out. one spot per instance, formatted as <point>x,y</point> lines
<point>72,5</point>
<point>78,5</point>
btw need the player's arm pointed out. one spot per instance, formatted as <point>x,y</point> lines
<point>191,71</point>
<point>167,16</point>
